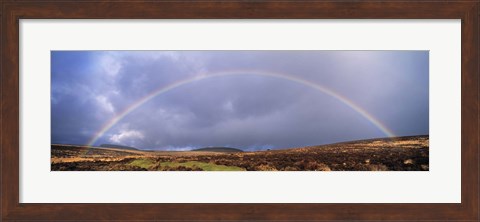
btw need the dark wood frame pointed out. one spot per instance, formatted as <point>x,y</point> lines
<point>12,11</point>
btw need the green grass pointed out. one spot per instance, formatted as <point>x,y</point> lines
<point>203,166</point>
<point>144,163</point>
<point>148,163</point>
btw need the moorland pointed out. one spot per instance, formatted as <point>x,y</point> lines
<point>383,154</point>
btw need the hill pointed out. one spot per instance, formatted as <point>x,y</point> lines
<point>219,149</point>
<point>409,153</point>
<point>118,146</point>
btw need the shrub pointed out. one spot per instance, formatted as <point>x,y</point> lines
<point>264,167</point>
<point>377,167</point>
<point>289,168</point>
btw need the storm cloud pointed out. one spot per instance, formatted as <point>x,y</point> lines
<point>90,88</point>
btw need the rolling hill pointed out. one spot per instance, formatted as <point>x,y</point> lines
<point>118,146</point>
<point>219,149</point>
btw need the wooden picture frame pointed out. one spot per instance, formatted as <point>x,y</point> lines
<point>12,11</point>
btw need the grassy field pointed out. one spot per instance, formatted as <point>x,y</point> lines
<point>387,154</point>
<point>194,165</point>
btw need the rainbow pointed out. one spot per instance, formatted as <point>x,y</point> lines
<point>108,125</point>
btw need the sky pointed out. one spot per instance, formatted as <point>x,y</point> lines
<point>251,100</point>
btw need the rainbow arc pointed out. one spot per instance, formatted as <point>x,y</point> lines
<point>163,89</point>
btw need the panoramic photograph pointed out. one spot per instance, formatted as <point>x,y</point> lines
<point>234,110</point>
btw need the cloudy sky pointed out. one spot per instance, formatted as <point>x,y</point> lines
<point>271,99</point>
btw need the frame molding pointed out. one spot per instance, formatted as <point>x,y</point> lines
<point>12,11</point>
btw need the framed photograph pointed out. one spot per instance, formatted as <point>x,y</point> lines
<point>237,110</point>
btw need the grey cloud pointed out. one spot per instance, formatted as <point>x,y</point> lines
<point>249,112</point>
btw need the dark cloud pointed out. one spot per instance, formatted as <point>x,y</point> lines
<point>245,111</point>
